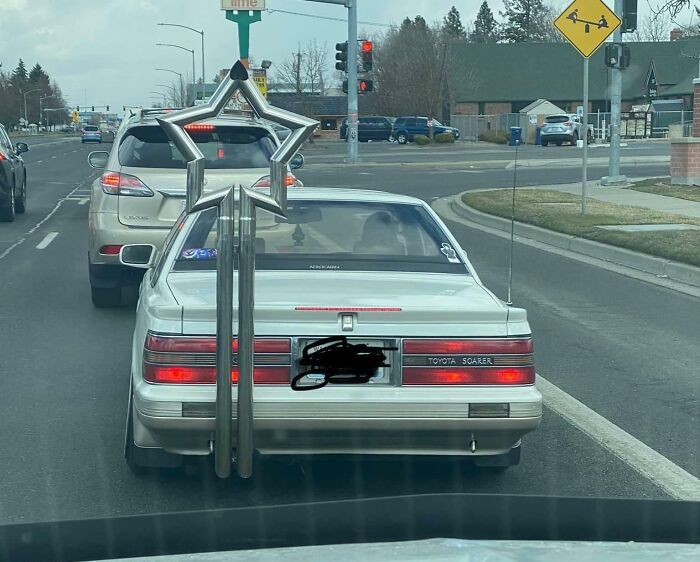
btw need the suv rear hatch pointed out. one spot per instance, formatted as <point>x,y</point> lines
<point>235,154</point>
<point>558,124</point>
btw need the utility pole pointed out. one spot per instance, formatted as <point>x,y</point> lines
<point>353,109</point>
<point>614,177</point>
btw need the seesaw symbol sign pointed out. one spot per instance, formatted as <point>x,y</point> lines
<point>586,24</point>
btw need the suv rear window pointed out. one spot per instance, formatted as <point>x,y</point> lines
<point>334,235</point>
<point>224,147</point>
<point>90,128</point>
<point>557,119</point>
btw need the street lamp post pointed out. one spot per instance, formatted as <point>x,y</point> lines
<point>194,80</point>
<point>25,103</point>
<point>41,99</point>
<point>165,102</point>
<point>204,80</point>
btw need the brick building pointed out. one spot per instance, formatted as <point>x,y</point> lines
<point>490,79</point>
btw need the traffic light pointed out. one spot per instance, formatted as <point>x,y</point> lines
<point>93,108</point>
<point>345,86</point>
<point>367,49</point>
<point>107,108</point>
<point>341,56</point>
<point>365,86</point>
<point>629,16</point>
<point>77,108</point>
<point>625,57</point>
<point>617,55</point>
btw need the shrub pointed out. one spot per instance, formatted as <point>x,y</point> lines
<point>497,137</point>
<point>421,140</point>
<point>444,137</point>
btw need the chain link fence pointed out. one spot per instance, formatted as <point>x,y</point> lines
<point>633,125</point>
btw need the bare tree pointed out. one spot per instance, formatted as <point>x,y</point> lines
<point>654,27</point>
<point>306,69</point>
<point>178,93</point>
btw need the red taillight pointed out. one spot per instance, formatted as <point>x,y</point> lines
<point>199,127</point>
<point>110,250</point>
<point>114,183</point>
<point>208,344</point>
<point>180,374</point>
<point>468,375</point>
<point>478,361</point>
<point>2,155</point>
<point>263,182</point>
<point>436,346</point>
<point>220,153</point>
<point>191,360</point>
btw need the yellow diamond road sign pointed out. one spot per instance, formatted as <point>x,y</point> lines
<point>587,24</point>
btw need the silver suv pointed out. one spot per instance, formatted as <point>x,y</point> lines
<point>141,192</point>
<point>565,127</point>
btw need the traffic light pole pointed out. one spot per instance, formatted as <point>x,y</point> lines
<point>352,81</point>
<point>614,177</point>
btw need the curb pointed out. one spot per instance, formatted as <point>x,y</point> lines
<point>659,267</point>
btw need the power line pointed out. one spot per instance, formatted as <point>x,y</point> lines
<point>314,16</point>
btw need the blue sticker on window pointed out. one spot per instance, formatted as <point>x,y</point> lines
<point>199,254</point>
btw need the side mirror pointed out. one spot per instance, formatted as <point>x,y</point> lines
<point>21,147</point>
<point>98,159</point>
<point>141,256</point>
<point>297,162</point>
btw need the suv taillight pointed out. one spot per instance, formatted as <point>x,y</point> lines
<point>290,181</point>
<point>114,183</point>
<point>192,360</point>
<point>468,362</point>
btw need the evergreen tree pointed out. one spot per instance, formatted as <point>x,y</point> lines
<point>452,25</point>
<point>19,75</point>
<point>525,20</point>
<point>485,26</point>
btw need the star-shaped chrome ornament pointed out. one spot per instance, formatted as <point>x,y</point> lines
<point>249,199</point>
<point>237,80</point>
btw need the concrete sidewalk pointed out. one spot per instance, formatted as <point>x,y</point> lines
<point>631,198</point>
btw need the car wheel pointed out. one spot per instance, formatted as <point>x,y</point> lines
<point>7,214</point>
<point>401,138</point>
<point>574,141</point>
<point>544,142</point>
<point>21,203</point>
<point>129,446</point>
<point>559,143</point>
<point>498,463</point>
<point>106,298</point>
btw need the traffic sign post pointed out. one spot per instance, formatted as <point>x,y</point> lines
<point>244,13</point>
<point>586,24</point>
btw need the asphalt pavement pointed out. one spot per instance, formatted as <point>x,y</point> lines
<point>624,348</point>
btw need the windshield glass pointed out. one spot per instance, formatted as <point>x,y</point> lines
<point>557,119</point>
<point>338,235</point>
<point>224,147</point>
<point>90,128</point>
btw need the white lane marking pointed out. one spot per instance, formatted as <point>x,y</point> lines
<point>75,151</point>
<point>54,156</point>
<point>84,200</point>
<point>651,464</point>
<point>38,225</point>
<point>47,240</point>
<point>38,162</point>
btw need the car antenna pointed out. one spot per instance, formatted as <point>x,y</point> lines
<point>509,302</point>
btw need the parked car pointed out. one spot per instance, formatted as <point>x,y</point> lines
<point>376,128</point>
<point>565,127</point>
<point>142,190</point>
<point>458,375</point>
<point>13,177</point>
<point>91,133</point>
<point>406,128</point>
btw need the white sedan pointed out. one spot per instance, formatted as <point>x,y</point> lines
<point>378,269</point>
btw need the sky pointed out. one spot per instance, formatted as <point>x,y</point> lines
<point>103,52</point>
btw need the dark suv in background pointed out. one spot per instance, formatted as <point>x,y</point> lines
<point>376,128</point>
<point>406,128</point>
<point>13,177</point>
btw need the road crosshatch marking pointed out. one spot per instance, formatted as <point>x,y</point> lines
<point>586,24</point>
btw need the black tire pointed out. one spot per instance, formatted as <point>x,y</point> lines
<point>402,138</point>
<point>106,298</point>
<point>7,213</point>
<point>21,203</point>
<point>544,142</point>
<point>129,446</point>
<point>574,141</point>
<point>559,143</point>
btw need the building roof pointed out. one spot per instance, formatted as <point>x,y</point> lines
<point>546,104</point>
<point>320,106</point>
<point>668,105</point>
<point>530,71</point>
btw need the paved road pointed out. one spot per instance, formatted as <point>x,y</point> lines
<point>438,171</point>
<point>624,348</point>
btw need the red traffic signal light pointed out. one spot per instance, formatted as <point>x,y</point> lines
<point>367,50</point>
<point>365,86</point>
<point>367,46</point>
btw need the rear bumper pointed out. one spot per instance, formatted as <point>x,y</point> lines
<point>554,137</point>
<point>306,425</point>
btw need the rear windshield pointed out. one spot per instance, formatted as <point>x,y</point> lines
<point>557,119</point>
<point>224,147</point>
<point>90,128</point>
<point>334,235</point>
